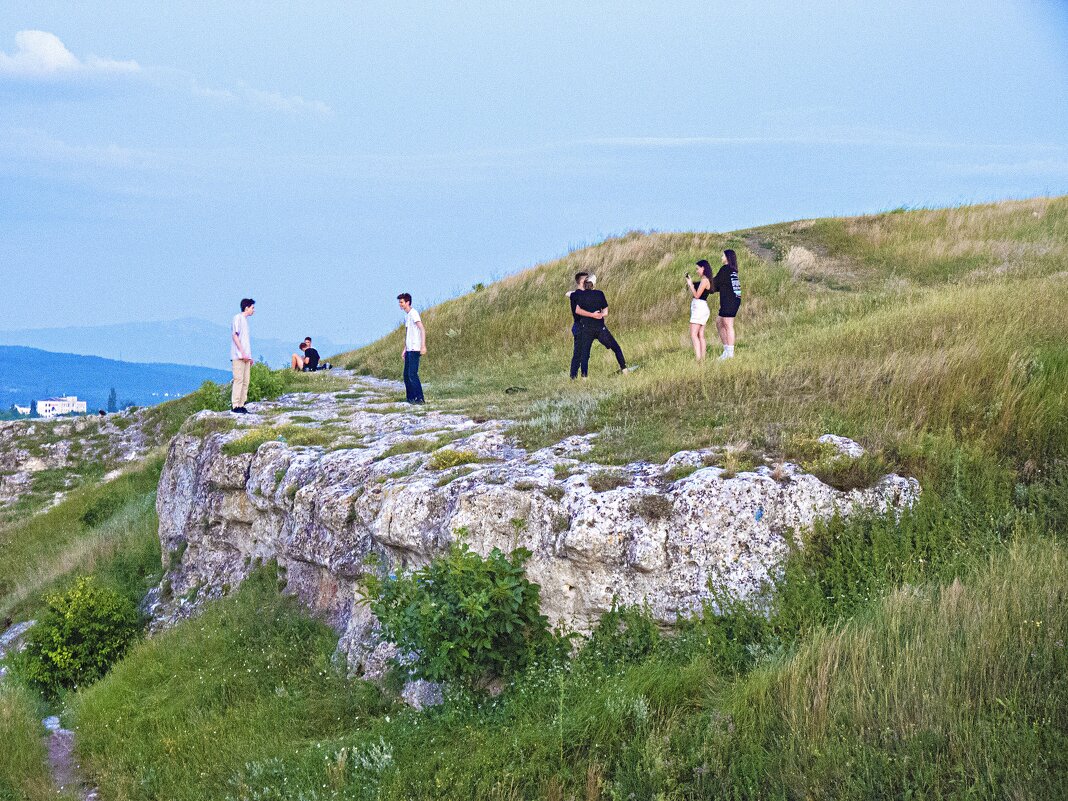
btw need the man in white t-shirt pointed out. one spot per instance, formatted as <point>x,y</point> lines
<point>241,356</point>
<point>414,348</point>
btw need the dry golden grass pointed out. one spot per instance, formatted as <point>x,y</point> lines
<point>884,326</point>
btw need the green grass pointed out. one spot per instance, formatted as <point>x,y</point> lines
<point>249,682</point>
<point>939,690</point>
<point>81,470</point>
<point>605,480</point>
<point>912,656</point>
<point>110,524</point>
<point>292,435</point>
<point>447,458</point>
<point>922,342</point>
<point>24,773</point>
<point>411,445</point>
<point>120,548</point>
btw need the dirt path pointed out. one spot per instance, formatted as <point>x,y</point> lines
<point>62,762</point>
<point>760,250</point>
<point>60,743</point>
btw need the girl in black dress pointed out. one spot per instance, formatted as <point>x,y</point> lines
<point>729,288</point>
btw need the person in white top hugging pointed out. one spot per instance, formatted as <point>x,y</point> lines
<point>414,348</point>
<point>241,356</point>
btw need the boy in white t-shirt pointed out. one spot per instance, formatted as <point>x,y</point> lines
<point>241,355</point>
<point>414,348</point>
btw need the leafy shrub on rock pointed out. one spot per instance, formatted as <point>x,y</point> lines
<point>83,631</point>
<point>467,619</point>
<point>265,383</point>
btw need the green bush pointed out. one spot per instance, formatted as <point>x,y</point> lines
<point>467,619</point>
<point>83,631</point>
<point>265,383</point>
<point>624,635</point>
<point>215,397</point>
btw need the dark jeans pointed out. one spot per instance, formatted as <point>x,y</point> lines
<point>584,339</point>
<point>412,388</point>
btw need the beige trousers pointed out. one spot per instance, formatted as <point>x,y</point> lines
<point>239,393</point>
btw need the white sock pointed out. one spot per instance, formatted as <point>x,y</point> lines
<point>730,351</point>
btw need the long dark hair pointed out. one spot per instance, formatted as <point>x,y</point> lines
<point>732,259</point>
<point>706,268</point>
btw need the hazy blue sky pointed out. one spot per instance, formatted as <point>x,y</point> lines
<point>162,160</point>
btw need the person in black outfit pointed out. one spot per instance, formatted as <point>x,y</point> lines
<point>729,287</point>
<point>589,307</point>
<point>580,284</point>
<point>311,359</point>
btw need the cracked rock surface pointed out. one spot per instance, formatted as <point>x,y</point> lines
<point>29,447</point>
<point>379,488</point>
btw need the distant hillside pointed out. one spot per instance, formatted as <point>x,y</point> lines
<point>190,341</point>
<point>28,374</point>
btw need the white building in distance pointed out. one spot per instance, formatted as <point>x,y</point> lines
<point>54,407</point>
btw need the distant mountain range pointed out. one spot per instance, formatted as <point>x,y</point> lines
<point>28,374</point>
<point>190,341</point>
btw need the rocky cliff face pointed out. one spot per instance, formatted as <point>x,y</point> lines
<point>643,533</point>
<point>30,449</point>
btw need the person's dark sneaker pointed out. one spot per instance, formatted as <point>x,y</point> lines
<point>240,410</point>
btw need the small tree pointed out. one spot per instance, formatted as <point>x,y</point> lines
<point>467,619</point>
<point>113,401</point>
<point>83,631</point>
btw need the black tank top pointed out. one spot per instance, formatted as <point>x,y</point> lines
<point>704,295</point>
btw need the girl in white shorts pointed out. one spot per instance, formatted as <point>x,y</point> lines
<point>699,311</point>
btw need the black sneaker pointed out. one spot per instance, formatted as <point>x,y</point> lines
<point>240,410</point>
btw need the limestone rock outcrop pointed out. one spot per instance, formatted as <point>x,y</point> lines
<point>73,445</point>
<point>659,534</point>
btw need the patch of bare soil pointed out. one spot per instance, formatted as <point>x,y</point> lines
<point>62,761</point>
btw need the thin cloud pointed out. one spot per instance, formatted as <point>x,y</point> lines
<point>260,98</point>
<point>844,135</point>
<point>290,104</point>
<point>1051,168</point>
<point>42,55</point>
<point>32,145</point>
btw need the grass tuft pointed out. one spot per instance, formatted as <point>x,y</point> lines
<point>447,458</point>
<point>605,480</point>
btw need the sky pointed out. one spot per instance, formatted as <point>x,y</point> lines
<point>160,161</point>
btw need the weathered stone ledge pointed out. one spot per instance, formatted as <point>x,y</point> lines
<point>320,512</point>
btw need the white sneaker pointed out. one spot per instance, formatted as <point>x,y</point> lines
<point>724,356</point>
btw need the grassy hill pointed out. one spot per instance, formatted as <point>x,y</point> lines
<point>918,656</point>
<point>887,328</point>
